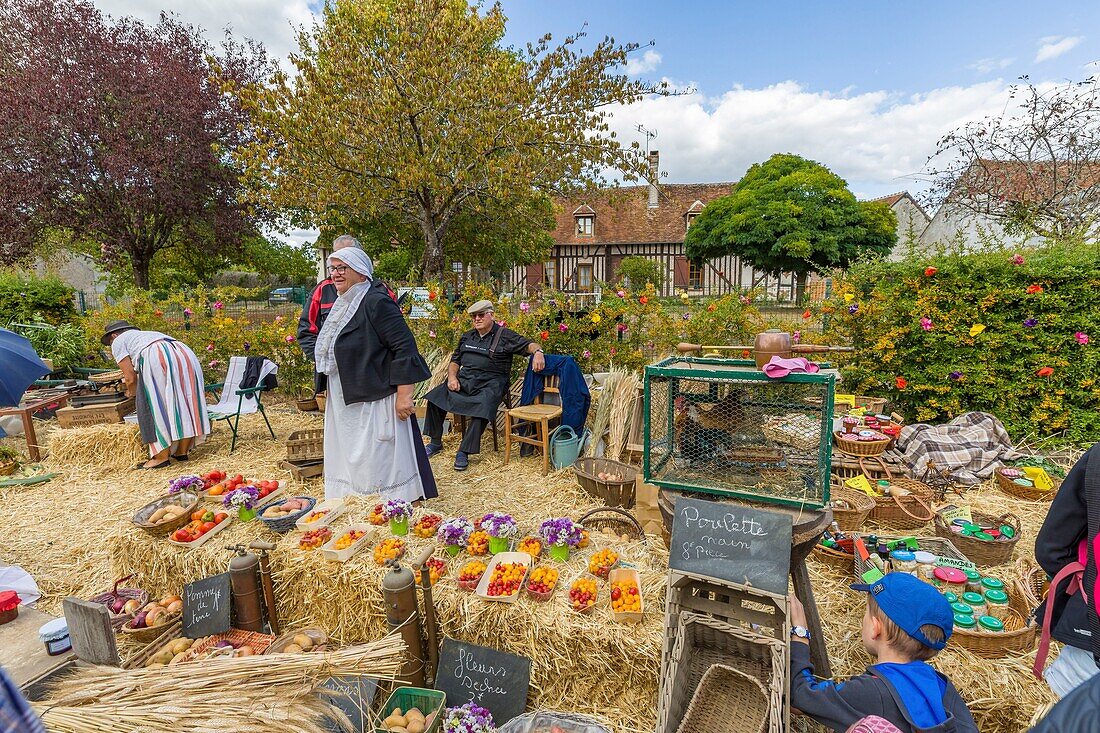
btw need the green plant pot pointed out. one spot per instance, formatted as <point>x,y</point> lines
<point>246,515</point>
<point>559,552</point>
<point>453,550</point>
<point>498,545</point>
<point>399,527</point>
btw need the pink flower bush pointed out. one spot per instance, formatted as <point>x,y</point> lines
<point>1082,337</point>
<point>926,323</point>
<point>218,305</point>
<point>290,339</point>
<point>524,306</point>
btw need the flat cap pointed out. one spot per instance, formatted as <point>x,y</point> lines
<point>480,307</point>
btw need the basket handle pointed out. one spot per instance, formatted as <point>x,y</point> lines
<point>615,510</point>
<point>917,499</point>
<point>882,463</point>
<point>120,581</point>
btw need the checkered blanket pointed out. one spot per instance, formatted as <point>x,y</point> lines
<point>969,448</point>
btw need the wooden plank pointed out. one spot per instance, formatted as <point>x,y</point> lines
<point>90,630</point>
<point>22,654</point>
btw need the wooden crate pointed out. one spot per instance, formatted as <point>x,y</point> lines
<point>82,417</point>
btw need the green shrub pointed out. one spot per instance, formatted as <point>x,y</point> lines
<point>1039,312</point>
<point>23,298</point>
<point>641,271</point>
<point>63,344</point>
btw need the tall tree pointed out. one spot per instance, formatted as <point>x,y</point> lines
<point>789,214</point>
<point>415,108</point>
<point>1035,169</point>
<point>117,134</point>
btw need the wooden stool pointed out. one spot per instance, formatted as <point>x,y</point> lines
<point>807,527</point>
<point>538,415</point>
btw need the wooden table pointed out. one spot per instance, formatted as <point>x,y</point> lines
<point>22,653</point>
<point>27,407</point>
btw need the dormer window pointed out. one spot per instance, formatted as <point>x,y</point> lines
<point>690,219</point>
<point>694,211</point>
<point>585,219</point>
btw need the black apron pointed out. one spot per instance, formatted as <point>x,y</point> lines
<point>481,387</point>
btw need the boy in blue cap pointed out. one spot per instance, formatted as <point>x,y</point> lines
<point>907,622</point>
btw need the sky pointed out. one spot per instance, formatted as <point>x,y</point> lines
<point>866,88</point>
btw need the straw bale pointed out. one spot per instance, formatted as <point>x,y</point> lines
<point>110,447</point>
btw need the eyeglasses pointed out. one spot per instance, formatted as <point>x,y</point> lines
<point>338,269</point>
<point>483,314</point>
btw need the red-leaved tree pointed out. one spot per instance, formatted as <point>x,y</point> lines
<point>118,135</point>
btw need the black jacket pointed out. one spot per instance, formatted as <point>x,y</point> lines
<point>837,705</point>
<point>1077,712</point>
<point>314,312</point>
<point>376,351</point>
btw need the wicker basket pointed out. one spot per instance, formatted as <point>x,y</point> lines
<point>874,405</point>
<point>618,520</point>
<point>308,405</point>
<point>130,594</point>
<point>189,500</point>
<point>935,545</point>
<point>982,552</point>
<point>258,642</point>
<point>842,562</point>
<point>905,512</point>
<point>1017,638</point>
<point>860,447</point>
<point>321,400</point>
<point>149,633</point>
<point>873,467</point>
<point>553,720</point>
<point>1030,493</point>
<point>789,432</point>
<point>727,699</point>
<point>1034,582</point>
<point>7,469</point>
<point>703,641</point>
<point>857,506</point>
<point>106,377</point>
<point>284,524</point>
<point>613,493</point>
<point>306,445</point>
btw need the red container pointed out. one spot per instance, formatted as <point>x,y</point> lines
<point>9,606</point>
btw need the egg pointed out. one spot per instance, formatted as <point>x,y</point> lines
<point>245,651</point>
<point>303,641</point>
<point>292,649</point>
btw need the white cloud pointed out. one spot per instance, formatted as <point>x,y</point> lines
<point>984,66</point>
<point>878,141</point>
<point>649,61</point>
<point>1051,47</point>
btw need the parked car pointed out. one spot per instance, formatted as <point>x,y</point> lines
<point>280,296</point>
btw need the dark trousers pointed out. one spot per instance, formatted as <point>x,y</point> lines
<point>471,438</point>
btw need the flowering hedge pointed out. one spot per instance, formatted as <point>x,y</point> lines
<point>1011,333</point>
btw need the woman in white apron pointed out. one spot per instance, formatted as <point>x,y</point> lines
<point>369,360</point>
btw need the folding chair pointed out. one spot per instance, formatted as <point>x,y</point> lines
<point>248,399</point>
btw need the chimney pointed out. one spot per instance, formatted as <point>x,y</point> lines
<point>654,173</point>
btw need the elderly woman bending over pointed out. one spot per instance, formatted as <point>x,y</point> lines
<point>369,359</point>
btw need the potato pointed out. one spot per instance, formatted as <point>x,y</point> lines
<point>245,651</point>
<point>181,645</point>
<point>304,641</point>
<point>395,720</point>
<point>178,657</point>
<point>158,515</point>
<point>175,607</point>
<point>414,714</point>
<point>131,606</point>
<point>292,649</point>
<point>154,665</point>
<point>168,600</point>
<point>415,726</point>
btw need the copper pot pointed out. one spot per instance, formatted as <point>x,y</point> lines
<point>772,342</point>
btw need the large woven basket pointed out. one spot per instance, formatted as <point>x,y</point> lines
<point>982,552</point>
<point>873,467</point>
<point>187,499</point>
<point>841,562</point>
<point>935,545</point>
<point>306,445</point>
<point>727,699</point>
<point>860,447</point>
<point>905,512</point>
<point>1017,638</point>
<point>134,594</point>
<point>850,507</point>
<point>617,520</point>
<point>282,525</point>
<point>617,493</point>
<point>1030,493</point>
<point>1034,581</point>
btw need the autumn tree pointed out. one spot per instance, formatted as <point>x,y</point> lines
<point>416,109</point>
<point>789,214</point>
<point>1034,169</point>
<point>115,135</point>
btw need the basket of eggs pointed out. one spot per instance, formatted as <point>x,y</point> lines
<point>149,621</point>
<point>611,481</point>
<point>299,642</point>
<point>282,516</point>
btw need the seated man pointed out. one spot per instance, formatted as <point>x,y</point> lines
<point>477,379</point>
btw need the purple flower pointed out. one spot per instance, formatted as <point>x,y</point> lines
<point>455,531</point>
<point>686,316</point>
<point>955,376</point>
<point>853,308</point>
<point>431,334</point>
<point>244,497</point>
<point>562,531</point>
<point>1031,323</point>
<point>397,509</point>
<point>586,354</point>
<point>218,305</point>
<point>210,347</point>
<point>796,336</point>
<point>562,327</point>
<point>470,718</point>
<point>185,483</point>
<point>926,323</point>
<point>524,306</point>
<point>289,339</point>
<point>499,524</point>
<point>247,346</point>
<point>621,328</point>
<point>187,311</point>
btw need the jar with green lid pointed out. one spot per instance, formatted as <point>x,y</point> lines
<point>973,581</point>
<point>992,584</point>
<point>996,602</point>
<point>976,601</point>
<point>961,608</point>
<point>951,597</point>
<point>990,625</point>
<point>965,622</point>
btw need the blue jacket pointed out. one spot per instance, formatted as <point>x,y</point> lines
<point>575,397</point>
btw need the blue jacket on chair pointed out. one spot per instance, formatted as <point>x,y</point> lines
<point>575,397</point>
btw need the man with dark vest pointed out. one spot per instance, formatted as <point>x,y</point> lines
<point>477,379</point>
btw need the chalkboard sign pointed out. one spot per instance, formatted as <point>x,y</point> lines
<point>353,695</point>
<point>206,606</point>
<point>491,678</point>
<point>731,542</point>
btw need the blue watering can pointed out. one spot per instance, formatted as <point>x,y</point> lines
<point>566,445</point>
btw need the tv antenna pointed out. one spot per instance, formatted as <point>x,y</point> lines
<point>649,135</point>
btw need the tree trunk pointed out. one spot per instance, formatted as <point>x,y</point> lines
<point>800,287</point>
<point>433,263</point>
<point>141,262</point>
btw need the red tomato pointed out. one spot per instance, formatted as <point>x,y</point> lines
<point>220,517</point>
<point>207,526</point>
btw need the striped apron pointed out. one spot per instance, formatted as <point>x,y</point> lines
<point>171,399</point>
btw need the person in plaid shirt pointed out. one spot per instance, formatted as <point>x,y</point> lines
<point>16,715</point>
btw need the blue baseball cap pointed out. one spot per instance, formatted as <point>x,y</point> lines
<point>911,603</point>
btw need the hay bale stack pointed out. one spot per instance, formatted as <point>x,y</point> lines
<point>106,448</point>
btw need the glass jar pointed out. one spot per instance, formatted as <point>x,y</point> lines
<point>964,622</point>
<point>990,625</point>
<point>962,609</point>
<point>903,561</point>
<point>976,601</point>
<point>951,579</point>
<point>926,564</point>
<point>951,597</point>
<point>55,635</point>
<point>996,602</point>
<point>992,584</point>
<point>973,581</point>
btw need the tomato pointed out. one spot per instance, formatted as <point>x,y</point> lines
<point>197,516</point>
<point>238,479</point>
<point>616,594</point>
<point>207,526</point>
<point>220,517</point>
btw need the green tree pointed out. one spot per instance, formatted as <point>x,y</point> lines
<point>641,270</point>
<point>415,110</point>
<point>789,214</point>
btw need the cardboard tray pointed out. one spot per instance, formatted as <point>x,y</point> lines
<point>335,507</point>
<point>625,574</point>
<point>202,540</point>
<point>499,558</point>
<point>329,548</point>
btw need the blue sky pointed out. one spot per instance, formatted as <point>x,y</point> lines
<point>867,88</point>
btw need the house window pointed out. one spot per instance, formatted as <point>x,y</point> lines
<point>550,273</point>
<point>586,225</point>
<point>584,278</point>
<point>695,276</point>
<point>691,218</point>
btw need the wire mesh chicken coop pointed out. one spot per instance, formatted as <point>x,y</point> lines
<point>720,426</point>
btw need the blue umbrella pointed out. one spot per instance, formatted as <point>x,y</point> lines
<point>19,367</point>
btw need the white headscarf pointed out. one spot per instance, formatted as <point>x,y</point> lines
<point>344,308</point>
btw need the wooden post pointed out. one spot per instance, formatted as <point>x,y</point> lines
<point>90,631</point>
